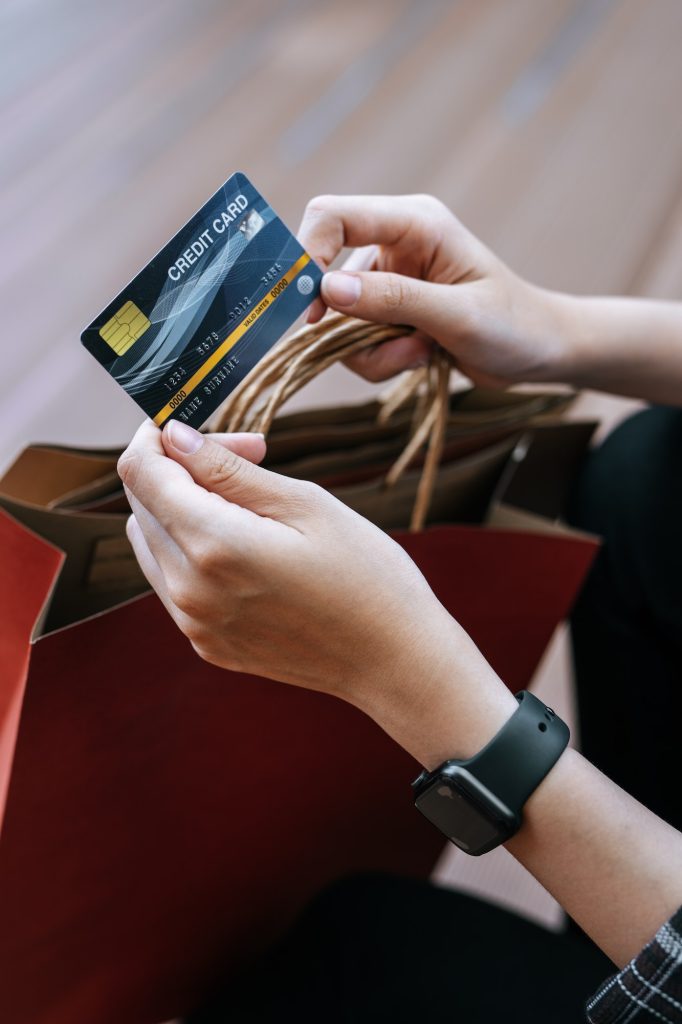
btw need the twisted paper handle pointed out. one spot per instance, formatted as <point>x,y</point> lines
<point>295,360</point>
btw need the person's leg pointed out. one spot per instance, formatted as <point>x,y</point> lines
<point>627,623</point>
<point>377,948</point>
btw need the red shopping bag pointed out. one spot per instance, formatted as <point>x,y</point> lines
<point>166,819</point>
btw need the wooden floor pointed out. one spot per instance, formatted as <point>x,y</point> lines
<point>553,129</point>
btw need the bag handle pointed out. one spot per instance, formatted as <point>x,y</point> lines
<point>296,359</point>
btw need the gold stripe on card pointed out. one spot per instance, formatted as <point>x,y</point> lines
<point>230,341</point>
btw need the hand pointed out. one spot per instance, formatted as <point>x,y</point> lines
<point>434,275</point>
<point>275,577</point>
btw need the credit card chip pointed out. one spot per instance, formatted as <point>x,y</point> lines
<point>124,328</point>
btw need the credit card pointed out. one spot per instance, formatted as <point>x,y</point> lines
<point>206,308</point>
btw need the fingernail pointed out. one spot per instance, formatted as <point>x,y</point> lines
<point>341,289</point>
<point>183,437</point>
<point>258,434</point>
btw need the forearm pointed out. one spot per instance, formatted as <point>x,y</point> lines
<point>624,346</point>
<point>612,864</point>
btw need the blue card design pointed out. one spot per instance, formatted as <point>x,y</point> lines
<point>211,303</point>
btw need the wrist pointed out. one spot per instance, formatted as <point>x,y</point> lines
<point>440,698</point>
<point>542,804</point>
<point>561,323</point>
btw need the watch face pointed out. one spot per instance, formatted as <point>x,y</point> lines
<point>471,817</point>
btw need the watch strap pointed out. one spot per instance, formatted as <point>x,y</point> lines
<point>516,760</point>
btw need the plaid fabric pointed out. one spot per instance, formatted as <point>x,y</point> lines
<point>649,988</point>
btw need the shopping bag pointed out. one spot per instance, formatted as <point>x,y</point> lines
<point>164,820</point>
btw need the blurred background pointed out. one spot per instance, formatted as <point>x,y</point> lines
<point>551,128</point>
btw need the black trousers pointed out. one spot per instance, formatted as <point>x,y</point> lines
<point>627,623</point>
<point>375,948</point>
<point>384,949</point>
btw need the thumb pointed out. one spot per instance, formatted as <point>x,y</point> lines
<point>215,467</point>
<point>387,298</point>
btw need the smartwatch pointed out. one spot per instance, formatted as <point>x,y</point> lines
<point>477,803</point>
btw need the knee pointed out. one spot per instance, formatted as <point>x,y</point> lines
<point>631,485</point>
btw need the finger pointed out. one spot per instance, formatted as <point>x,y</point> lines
<point>392,299</point>
<point>168,492</point>
<point>160,484</point>
<point>187,512</point>
<point>222,472</point>
<point>163,548</point>
<point>316,311</point>
<point>153,572</point>
<point>391,357</point>
<point>145,558</point>
<point>330,223</point>
<point>363,258</point>
<point>248,446</point>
